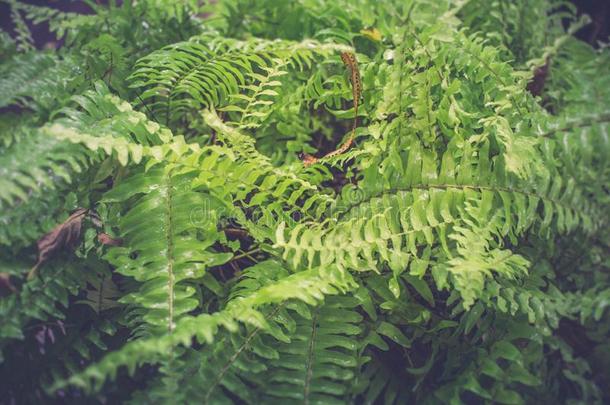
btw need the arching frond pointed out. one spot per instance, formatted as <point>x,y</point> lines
<point>40,81</point>
<point>35,163</point>
<point>165,247</point>
<point>307,286</point>
<point>321,358</point>
<point>183,77</point>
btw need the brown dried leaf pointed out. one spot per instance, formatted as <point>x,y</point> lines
<point>64,235</point>
<point>106,239</point>
<point>536,85</point>
<point>5,283</point>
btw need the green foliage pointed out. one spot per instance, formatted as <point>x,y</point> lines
<point>36,80</point>
<point>456,253</point>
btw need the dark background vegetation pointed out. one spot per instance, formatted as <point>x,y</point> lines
<point>598,10</point>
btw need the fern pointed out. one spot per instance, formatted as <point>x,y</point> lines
<point>455,253</point>
<point>36,80</point>
<point>306,286</point>
<point>179,244</point>
<point>181,77</point>
<point>321,358</point>
<point>43,297</point>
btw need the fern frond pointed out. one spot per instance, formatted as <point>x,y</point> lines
<point>388,228</point>
<point>182,77</point>
<point>39,81</point>
<point>169,249</point>
<point>40,14</point>
<point>515,26</point>
<point>381,383</point>
<point>282,193</point>
<point>476,258</point>
<point>485,365</point>
<point>307,286</point>
<point>124,150</point>
<point>255,106</point>
<point>39,160</point>
<point>48,329</point>
<point>25,223</point>
<point>35,163</point>
<point>7,45</point>
<point>321,357</point>
<point>103,293</point>
<point>25,42</point>
<point>593,304</point>
<point>537,299</point>
<point>45,297</point>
